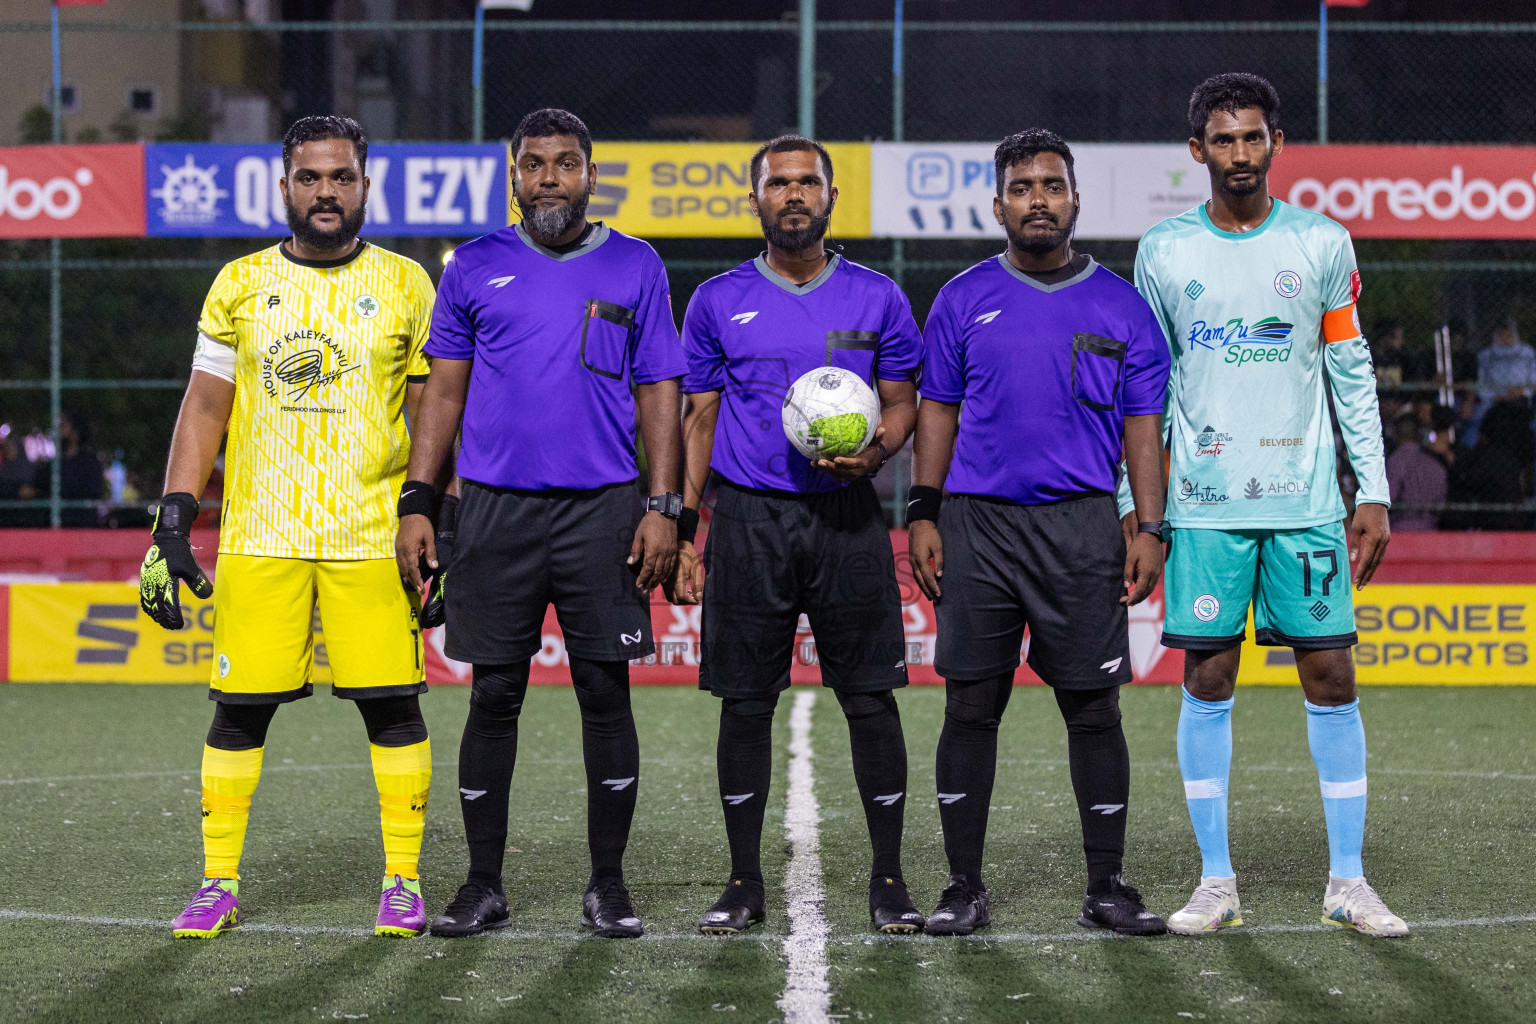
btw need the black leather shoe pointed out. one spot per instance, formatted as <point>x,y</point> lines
<point>1120,910</point>
<point>961,909</point>
<point>738,908</point>
<point>609,912</point>
<point>890,907</point>
<point>476,908</point>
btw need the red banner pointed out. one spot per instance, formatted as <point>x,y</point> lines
<point>71,191</point>
<point>1414,191</point>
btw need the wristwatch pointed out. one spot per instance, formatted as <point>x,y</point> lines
<point>1159,528</point>
<point>669,504</point>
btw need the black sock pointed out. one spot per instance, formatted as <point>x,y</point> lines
<point>240,726</point>
<point>611,751</point>
<point>393,721</point>
<point>965,766</point>
<point>1101,777</point>
<point>487,755</point>
<point>744,761</point>
<point>880,769</point>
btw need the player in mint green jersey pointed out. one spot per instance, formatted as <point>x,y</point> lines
<point>1257,298</point>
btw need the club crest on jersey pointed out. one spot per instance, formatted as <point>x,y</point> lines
<point>1288,283</point>
<point>367,306</point>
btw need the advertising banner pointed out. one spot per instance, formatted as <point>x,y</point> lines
<point>699,189</point>
<point>945,190</point>
<point>71,191</point>
<point>1426,633</point>
<point>438,190</point>
<point>1414,191</point>
<point>1454,634</point>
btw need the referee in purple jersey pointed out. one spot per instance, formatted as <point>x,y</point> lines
<point>1059,366</point>
<point>539,333</point>
<point>792,536</point>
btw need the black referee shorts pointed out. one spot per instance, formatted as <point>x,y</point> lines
<point>771,556</point>
<point>518,551</point>
<point>1058,568</point>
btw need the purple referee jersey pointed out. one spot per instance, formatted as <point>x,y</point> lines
<point>1047,373</point>
<point>749,334</point>
<point>556,340</point>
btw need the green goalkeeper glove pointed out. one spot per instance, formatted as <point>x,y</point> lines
<point>434,613</point>
<point>170,561</point>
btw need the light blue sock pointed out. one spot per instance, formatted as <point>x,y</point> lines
<point>1337,739</point>
<point>1205,761</point>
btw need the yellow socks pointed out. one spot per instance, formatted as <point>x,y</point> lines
<point>229,779</point>
<point>403,775</point>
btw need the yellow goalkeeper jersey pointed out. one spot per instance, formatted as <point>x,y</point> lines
<point>317,443</point>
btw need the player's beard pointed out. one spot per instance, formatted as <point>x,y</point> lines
<point>553,221</point>
<point>1258,183</point>
<point>1039,242</point>
<point>796,239</point>
<point>313,238</point>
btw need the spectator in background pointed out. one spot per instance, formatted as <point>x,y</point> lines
<point>15,482</point>
<point>80,473</point>
<point>1506,369</point>
<point>1497,471</point>
<point>1415,478</point>
<point>1396,363</point>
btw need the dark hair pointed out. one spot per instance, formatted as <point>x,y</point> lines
<point>1232,92</point>
<point>789,144</point>
<point>1030,143</point>
<point>325,126</point>
<point>541,124</point>
<point>1386,325</point>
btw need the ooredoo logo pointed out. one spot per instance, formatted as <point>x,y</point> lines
<point>71,191</point>
<point>1444,198</point>
<point>59,198</point>
<point>1414,191</point>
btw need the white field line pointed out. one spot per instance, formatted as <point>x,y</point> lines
<point>1449,773</point>
<point>195,772</point>
<point>807,997</point>
<point>861,939</point>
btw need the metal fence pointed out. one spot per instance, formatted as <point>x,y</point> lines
<point>123,310</point>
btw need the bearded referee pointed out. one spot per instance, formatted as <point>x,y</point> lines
<point>790,536</point>
<point>540,330</point>
<point>310,354</point>
<point>1057,364</point>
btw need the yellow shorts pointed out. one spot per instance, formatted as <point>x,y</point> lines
<point>265,629</point>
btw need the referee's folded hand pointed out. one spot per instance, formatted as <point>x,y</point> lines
<point>654,550</point>
<point>1143,567</point>
<point>926,550</point>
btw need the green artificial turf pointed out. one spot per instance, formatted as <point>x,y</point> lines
<point>99,819</point>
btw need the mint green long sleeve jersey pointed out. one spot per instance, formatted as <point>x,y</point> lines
<point>1254,322</point>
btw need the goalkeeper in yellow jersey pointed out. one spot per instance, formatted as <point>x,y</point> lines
<point>310,355</point>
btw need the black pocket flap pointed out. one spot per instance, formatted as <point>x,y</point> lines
<point>612,312</point>
<point>1098,345</point>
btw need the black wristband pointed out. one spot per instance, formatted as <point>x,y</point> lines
<point>416,499</point>
<point>175,514</point>
<point>687,524</point>
<point>923,503</point>
<point>448,514</point>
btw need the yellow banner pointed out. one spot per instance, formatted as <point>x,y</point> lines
<point>1426,633</point>
<point>699,189</point>
<point>96,632</point>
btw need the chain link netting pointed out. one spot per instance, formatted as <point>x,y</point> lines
<point>129,306</point>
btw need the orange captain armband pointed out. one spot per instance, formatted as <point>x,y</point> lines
<point>1341,324</point>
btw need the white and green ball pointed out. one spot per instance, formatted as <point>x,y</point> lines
<point>830,412</point>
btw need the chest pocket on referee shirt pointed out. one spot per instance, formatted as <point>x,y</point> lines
<point>1098,363</point>
<point>605,331</point>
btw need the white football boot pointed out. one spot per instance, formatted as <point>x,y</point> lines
<point>1352,903</point>
<point>1214,905</point>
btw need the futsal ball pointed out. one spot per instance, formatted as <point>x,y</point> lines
<point>830,412</point>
